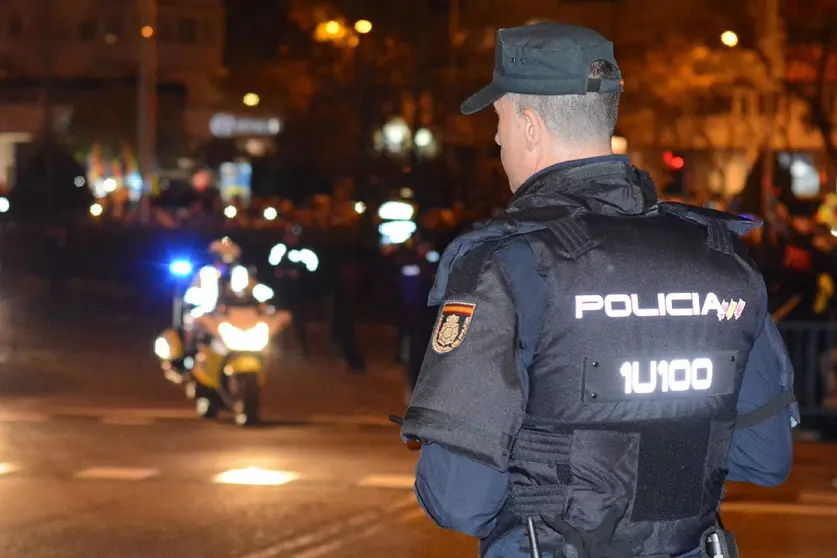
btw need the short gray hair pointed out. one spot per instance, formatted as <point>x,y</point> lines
<point>589,118</point>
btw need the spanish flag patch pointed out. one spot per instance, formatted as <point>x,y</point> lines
<point>452,326</point>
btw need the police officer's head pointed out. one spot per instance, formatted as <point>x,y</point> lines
<point>556,91</point>
<point>224,252</point>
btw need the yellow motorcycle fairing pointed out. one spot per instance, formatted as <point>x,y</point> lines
<point>210,365</point>
<point>246,364</point>
<point>207,369</point>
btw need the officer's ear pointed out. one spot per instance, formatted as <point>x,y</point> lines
<point>534,128</point>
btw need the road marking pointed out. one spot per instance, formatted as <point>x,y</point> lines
<point>371,531</point>
<point>126,412</point>
<point>127,421</point>
<point>817,498</point>
<point>324,534</point>
<point>116,473</point>
<point>21,354</point>
<point>8,468</point>
<point>388,481</point>
<point>23,417</point>
<point>779,509</point>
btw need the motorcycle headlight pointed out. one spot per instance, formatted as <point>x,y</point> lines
<point>253,339</point>
<point>162,349</point>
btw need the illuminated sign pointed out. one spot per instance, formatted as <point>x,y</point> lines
<point>224,125</point>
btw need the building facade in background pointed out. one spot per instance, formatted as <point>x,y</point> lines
<point>690,99</point>
<point>90,52</point>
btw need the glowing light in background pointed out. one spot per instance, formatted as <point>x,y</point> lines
<point>276,254</point>
<point>180,268</point>
<point>396,232</point>
<point>424,137</point>
<point>729,38</point>
<point>333,27</point>
<point>308,258</point>
<point>396,211</point>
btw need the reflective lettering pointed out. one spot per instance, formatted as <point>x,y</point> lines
<point>643,312</point>
<point>677,375</point>
<point>671,298</point>
<point>622,308</point>
<point>587,303</point>
<point>711,304</point>
<point>661,303</point>
<point>623,305</point>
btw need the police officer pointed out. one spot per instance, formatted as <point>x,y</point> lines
<point>602,362</point>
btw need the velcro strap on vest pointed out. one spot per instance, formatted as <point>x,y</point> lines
<point>547,500</point>
<point>542,447</point>
<point>551,449</point>
<point>574,236</point>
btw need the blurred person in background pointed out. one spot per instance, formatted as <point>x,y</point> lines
<point>293,290</point>
<point>347,289</point>
<point>417,279</point>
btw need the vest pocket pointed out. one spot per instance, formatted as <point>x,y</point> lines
<point>603,476</point>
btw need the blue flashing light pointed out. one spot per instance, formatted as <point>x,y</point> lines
<point>180,268</point>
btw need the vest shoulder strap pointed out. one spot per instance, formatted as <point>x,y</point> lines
<point>766,411</point>
<point>574,237</point>
<point>718,224</point>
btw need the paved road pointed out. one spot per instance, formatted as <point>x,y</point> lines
<point>99,457</point>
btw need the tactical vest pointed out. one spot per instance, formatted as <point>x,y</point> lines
<point>634,387</point>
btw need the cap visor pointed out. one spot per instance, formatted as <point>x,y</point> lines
<point>486,96</point>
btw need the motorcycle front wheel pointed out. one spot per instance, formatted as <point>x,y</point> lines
<point>246,407</point>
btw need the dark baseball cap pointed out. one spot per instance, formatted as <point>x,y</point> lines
<point>545,59</point>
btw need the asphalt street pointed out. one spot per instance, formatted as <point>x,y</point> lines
<point>100,457</point>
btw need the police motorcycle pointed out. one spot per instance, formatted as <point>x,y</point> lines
<point>222,329</point>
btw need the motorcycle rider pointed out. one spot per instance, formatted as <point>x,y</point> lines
<point>210,285</point>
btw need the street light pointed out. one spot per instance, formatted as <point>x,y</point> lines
<point>251,100</point>
<point>147,31</point>
<point>332,27</point>
<point>729,38</point>
<point>363,26</point>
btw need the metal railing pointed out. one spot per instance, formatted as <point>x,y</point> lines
<point>812,347</point>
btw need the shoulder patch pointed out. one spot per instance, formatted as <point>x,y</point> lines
<point>452,326</point>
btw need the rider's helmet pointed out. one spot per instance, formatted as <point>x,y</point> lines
<point>225,250</point>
